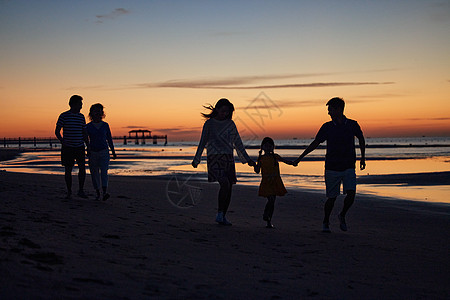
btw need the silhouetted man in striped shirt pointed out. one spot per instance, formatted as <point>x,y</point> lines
<point>74,137</point>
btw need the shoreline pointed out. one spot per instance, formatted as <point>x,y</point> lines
<point>139,244</point>
<point>430,183</point>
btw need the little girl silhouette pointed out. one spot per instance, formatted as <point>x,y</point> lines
<point>271,183</point>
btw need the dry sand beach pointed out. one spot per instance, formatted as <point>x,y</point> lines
<point>138,245</point>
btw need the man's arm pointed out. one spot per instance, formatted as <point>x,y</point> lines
<point>362,148</point>
<point>58,133</point>
<point>309,149</point>
<point>85,137</point>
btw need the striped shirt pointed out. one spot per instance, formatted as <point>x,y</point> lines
<point>73,125</point>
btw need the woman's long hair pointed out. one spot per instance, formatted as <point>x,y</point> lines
<point>222,102</point>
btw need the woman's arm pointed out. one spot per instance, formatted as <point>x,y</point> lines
<point>110,141</point>
<point>201,146</point>
<point>240,149</point>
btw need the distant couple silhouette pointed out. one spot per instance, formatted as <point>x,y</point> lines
<point>220,137</point>
<point>96,135</point>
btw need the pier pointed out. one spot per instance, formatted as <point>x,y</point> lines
<point>138,137</point>
<point>142,135</point>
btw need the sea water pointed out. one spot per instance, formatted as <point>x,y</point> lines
<point>385,156</point>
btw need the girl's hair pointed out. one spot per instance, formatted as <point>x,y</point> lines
<point>93,108</point>
<point>267,140</point>
<point>221,103</point>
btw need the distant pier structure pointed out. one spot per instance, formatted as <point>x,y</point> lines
<point>141,135</point>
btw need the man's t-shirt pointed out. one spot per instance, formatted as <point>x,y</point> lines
<point>341,153</point>
<point>73,125</point>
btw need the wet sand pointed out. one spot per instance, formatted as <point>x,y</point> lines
<point>140,245</point>
<point>7,154</point>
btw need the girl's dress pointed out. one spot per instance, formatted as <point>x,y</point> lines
<point>271,183</point>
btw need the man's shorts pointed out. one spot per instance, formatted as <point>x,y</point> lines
<point>333,181</point>
<point>71,154</point>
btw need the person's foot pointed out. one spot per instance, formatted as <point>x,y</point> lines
<point>68,195</point>
<point>106,197</point>
<point>98,195</point>
<point>326,227</point>
<point>82,194</point>
<point>269,224</point>
<point>219,217</point>
<point>342,223</point>
<point>226,222</point>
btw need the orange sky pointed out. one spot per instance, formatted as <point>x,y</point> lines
<point>389,61</point>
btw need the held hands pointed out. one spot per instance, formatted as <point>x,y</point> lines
<point>291,162</point>
<point>251,163</point>
<point>295,162</point>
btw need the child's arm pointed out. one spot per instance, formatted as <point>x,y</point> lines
<point>286,161</point>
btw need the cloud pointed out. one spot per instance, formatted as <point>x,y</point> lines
<point>179,130</point>
<point>250,82</point>
<point>429,119</point>
<point>305,85</point>
<point>134,127</point>
<point>112,15</point>
<point>281,104</point>
<point>208,83</point>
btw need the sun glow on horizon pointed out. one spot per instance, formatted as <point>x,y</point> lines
<point>389,61</point>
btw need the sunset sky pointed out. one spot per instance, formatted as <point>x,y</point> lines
<point>154,64</point>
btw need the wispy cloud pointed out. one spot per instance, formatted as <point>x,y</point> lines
<point>429,119</point>
<point>279,104</point>
<point>135,127</point>
<point>112,15</point>
<point>251,82</point>
<point>282,104</point>
<point>208,83</point>
<point>179,130</point>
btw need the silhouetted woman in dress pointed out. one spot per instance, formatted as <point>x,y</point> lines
<point>220,136</point>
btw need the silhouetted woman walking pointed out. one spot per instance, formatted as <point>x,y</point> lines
<point>220,136</point>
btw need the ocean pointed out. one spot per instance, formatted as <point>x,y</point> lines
<point>398,158</point>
